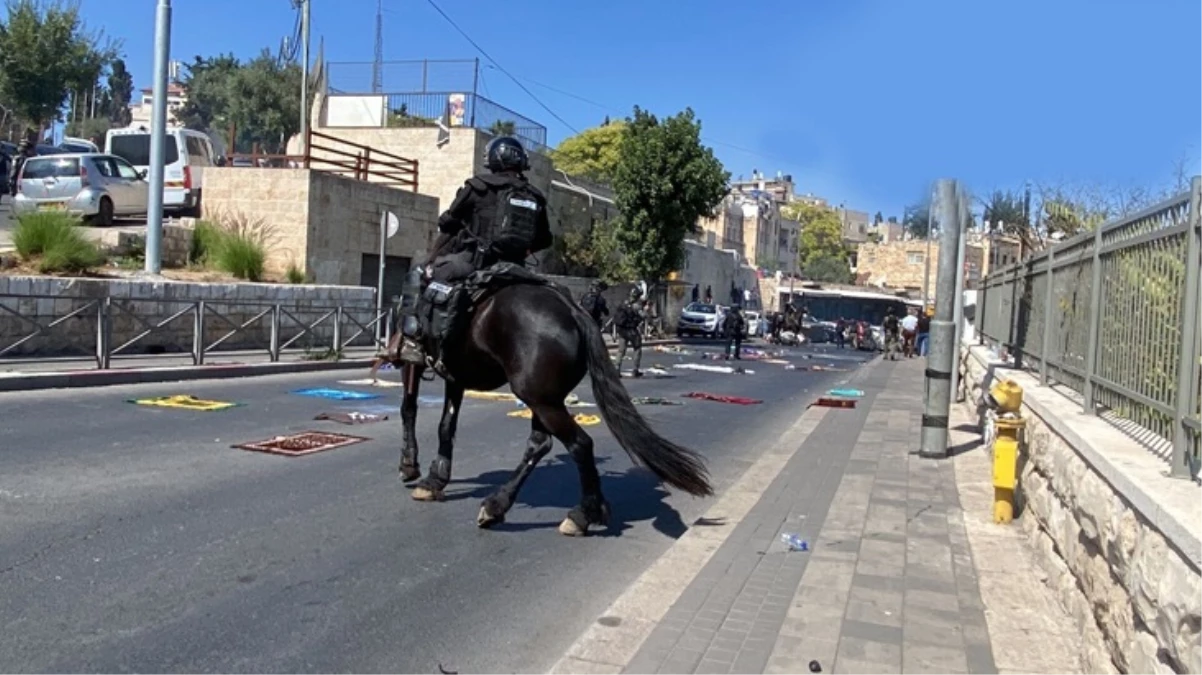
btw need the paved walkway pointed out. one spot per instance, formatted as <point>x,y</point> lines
<point>889,584</point>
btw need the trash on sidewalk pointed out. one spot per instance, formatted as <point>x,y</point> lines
<point>831,402</point>
<point>846,393</point>
<point>353,417</point>
<point>581,419</point>
<point>722,398</point>
<point>335,394</point>
<point>372,382</point>
<point>185,402</point>
<point>653,400</point>
<point>794,542</point>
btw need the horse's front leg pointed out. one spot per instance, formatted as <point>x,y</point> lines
<point>409,468</point>
<point>431,487</point>
<point>496,505</point>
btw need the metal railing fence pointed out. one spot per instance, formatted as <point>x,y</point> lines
<point>109,327</point>
<point>1113,315</point>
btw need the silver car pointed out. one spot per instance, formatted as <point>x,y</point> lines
<point>91,185</point>
<point>700,318</point>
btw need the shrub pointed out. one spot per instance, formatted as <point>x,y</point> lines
<point>295,274</point>
<point>71,253</point>
<point>206,238</point>
<point>37,232</point>
<point>241,255</point>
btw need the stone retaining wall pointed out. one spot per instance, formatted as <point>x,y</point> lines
<point>1118,540</point>
<point>45,299</point>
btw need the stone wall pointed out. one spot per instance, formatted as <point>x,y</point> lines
<point>1117,539</point>
<point>715,268</point>
<point>176,245</point>
<point>320,222</point>
<point>133,304</point>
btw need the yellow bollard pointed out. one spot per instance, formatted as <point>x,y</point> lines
<point>1005,468</point>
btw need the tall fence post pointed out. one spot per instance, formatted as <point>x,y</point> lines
<point>104,333</point>
<point>1048,299</point>
<point>338,329</point>
<point>198,334</point>
<point>1095,323</point>
<point>1187,363</point>
<point>274,349</point>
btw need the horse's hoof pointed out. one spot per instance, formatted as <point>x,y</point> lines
<point>486,519</point>
<point>410,474</point>
<point>422,493</point>
<point>569,528</point>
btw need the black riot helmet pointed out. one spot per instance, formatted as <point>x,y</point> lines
<point>505,153</point>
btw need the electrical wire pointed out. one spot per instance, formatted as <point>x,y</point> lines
<point>501,68</point>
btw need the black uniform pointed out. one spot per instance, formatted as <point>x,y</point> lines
<point>594,303</point>
<point>629,320</point>
<point>735,326</point>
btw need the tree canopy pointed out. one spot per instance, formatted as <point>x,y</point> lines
<point>916,220</point>
<point>821,254</point>
<point>46,52</point>
<point>593,153</point>
<point>665,179</point>
<point>260,98</point>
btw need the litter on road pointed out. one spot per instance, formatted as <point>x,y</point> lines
<point>653,400</point>
<point>673,349</point>
<point>572,401</point>
<point>372,382</point>
<point>846,393</point>
<point>353,417</point>
<point>831,402</point>
<point>490,395</point>
<point>794,542</point>
<point>581,419</point>
<point>722,398</point>
<point>185,402</point>
<point>713,369</point>
<point>335,394</point>
<point>303,443</point>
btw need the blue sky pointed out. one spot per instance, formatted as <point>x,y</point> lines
<point>862,101</point>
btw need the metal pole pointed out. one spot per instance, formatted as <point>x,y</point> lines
<point>304,111</point>
<point>475,84</point>
<point>1095,322</point>
<point>958,308</point>
<point>926,274</point>
<point>1045,350</point>
<point>1187,379</point>
<point>943,328</point>
<point>380,278</point>
<point>158,138</point>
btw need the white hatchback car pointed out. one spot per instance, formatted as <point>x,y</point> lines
<point>94,186</point>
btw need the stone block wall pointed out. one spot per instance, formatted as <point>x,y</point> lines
<point>276,199</point>
<point>133,304</point>
<point>176,245</point>
<point>716,268</point>
<point>1118,540</point>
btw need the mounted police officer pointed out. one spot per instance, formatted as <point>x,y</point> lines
<point>629,321</point>
<point>495,217</point>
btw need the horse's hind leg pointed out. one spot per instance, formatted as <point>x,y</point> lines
<point>430,488</point>
<point>593,509</point>
<point>409,469</point>
<point>496,505</point>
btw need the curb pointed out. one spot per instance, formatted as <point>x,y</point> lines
<point>105,378</point>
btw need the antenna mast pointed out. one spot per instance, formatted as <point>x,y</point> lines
<point>378,64</point>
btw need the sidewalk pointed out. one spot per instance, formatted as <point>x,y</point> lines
<point>889,584</point>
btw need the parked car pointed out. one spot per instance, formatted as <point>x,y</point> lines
<point>186,155</point>
<point>699,318</point>
<point>70,144</point>
<point>93,186</point>
<point>754,324</point>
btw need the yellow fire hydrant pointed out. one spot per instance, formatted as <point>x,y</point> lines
<point>1008,398</point>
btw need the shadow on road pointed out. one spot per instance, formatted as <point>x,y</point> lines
<point>634,495</point>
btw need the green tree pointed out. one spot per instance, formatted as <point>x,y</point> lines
<point>503,128</point>
<point>260,98</point>
<point>821,234</point>
<point>208,82</point>
<point>916,220</point>
<point>830,269</point>
<point>597,250</point>
<point>664,181</point>
<point>91,128</point>
<point>120,93</point>
<point>46,52</point>
<point>593,153</point>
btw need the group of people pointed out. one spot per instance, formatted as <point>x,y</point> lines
<point>912,332</point>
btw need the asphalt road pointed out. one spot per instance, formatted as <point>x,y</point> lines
<point>136,539</point>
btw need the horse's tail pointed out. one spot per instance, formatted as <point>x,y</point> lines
<point>679,467</point>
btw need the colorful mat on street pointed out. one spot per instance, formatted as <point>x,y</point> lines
<point>833,402</point>
<point>581,419</point>
<point>352,417</point>
<point>653,400</point>
<point>490,395</point>
<point>185,402</point>
<point>336,394</point>
<point>846,393</point>
<point>722,398</point>
<point>372,382</point>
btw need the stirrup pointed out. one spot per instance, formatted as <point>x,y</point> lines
<point>411,351</point>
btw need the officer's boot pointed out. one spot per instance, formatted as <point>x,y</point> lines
<point>412,304</point>
<point>450,329</point>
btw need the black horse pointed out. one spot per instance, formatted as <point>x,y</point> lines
<point>537,339</point>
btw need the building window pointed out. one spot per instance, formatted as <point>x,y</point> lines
<point>915,258</point>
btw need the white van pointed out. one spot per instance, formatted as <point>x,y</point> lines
<point>186,155</point>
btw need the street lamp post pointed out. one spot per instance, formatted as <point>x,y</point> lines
<point>158,138</point>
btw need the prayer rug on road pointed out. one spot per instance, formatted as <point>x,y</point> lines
<point>653,400</point>
<point>303,443</point>
<point>185,402</point>
<point>722,398</point>
<point>335,394</point>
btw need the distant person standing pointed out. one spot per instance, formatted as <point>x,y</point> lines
<point>735,326</point>
<point>909,331</point>
<point>924,333</point>
<point>696,292</point>
<point>709,295</point>
<point>629,320</point>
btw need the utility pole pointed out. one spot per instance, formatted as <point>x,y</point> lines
<point>961,224</point>
<point>377,64</point>
<point>158,138</point>
<point>943,329</point>
<point>926,273</point>
<point>304,112</point>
